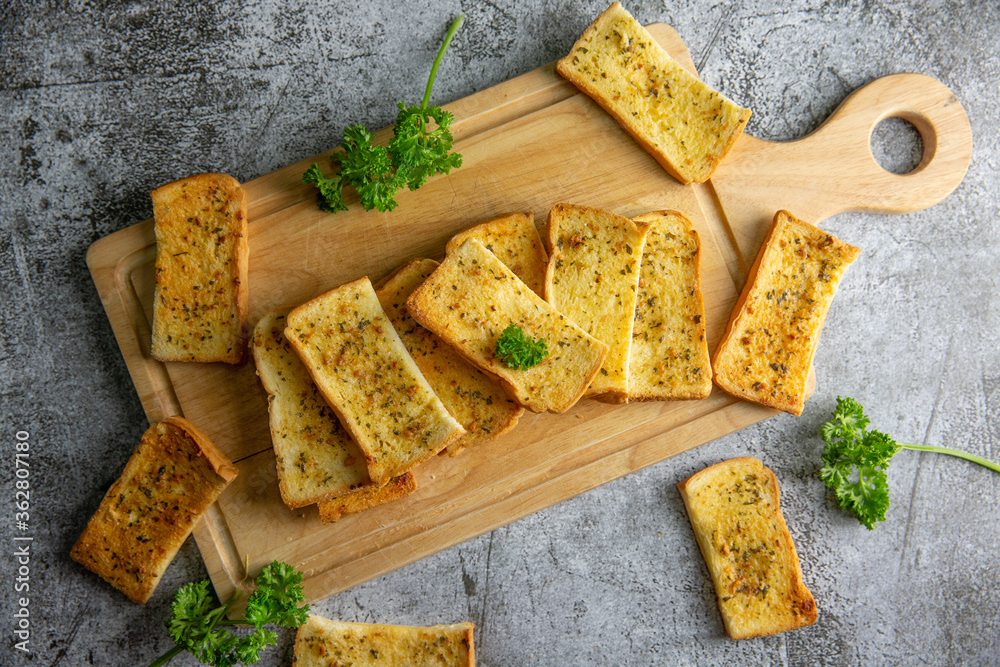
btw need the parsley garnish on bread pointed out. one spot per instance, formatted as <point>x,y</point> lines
<point>516,350</point>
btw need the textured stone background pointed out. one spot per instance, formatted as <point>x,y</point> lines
<point>101,101</point>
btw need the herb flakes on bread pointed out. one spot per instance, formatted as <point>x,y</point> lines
<point>736,516</point>
<point>474,398</point>
<point>366,497</point>
<point>200,290</point>
<point>592,278</point>
<point>514,239</point>
<point>669,352</point>
<point>170,480</point>
<point>683,123</point>
<point>321,642</point>
<point>366,375</point>
<point>769,343</point>
<point>472,297</point>
<point>316,457</point>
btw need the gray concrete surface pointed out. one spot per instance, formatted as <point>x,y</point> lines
<point>102,101</point>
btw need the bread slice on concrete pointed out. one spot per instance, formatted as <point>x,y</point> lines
<point>477,400</point>
<point>317,459</point>
<point>514,239</point>
<point>768,345</point>
<point>366,375</point>
<point>684,124</point>
<point>593,278</point>
<point>170,480</point>
<point>734,510</point>
<point>472,298</point>
<point>669,352</point>
<point>200,292</point>
<point>366,497</point>
<point>321,642</point>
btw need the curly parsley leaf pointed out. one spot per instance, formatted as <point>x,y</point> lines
<point>331,197</point>
<point>417,150</point>
<point>368,169</point>
<point>855,460</point>
<point>519,351</point>
<point>420,148</point>
<point>192,625</point>
<point>198,627</point>
<point>277,598</point>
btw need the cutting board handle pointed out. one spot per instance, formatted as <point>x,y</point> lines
<point>841,147</point>
<point>832,170</point>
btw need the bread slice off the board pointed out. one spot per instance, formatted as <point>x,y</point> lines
<point>366,497</point>
<point>173,476</point>
<point>774,329</point>
<point>472,297</point>
<point>514,239</point>
<point>321,642</point>
<point>685,125</point>
<point>477,400</point>
<point>593,278</point>
<point>316,457</point>
<point>669,352</point>
<point>366,375</point>
<point>200,284</point>
<point>737,520</point>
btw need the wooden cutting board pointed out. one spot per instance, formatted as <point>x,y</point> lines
<point>529,143</point>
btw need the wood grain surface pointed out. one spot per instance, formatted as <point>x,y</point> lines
<point>528,144</point>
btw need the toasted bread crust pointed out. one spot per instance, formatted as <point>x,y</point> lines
<point>734,507</point>
<point>366,497</point>
<point>684,124</point>
<point>476,400</point>
<point>366,375</point>
<point>200,297</point>
<point>514,239</point>
<point>321,642</point>
<point>772,334</point>
<point>472,297</point>
<point>315,456</point>
<point>669,352</point>
<point>170,480</point>
<point>593,278</point>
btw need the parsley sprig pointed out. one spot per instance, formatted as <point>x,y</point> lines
<point>420,147</point>
<point>519,351</point>
<point>199,627</point>
<point>855,460</point>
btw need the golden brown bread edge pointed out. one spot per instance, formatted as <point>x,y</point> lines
<point>220,463</point>
<point>366,497</point>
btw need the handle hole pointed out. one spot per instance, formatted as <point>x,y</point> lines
<point>896,145</point>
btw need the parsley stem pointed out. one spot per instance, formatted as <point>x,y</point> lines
<point>437,61</point>
<point>954,452</point>
<point>167,657</point>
